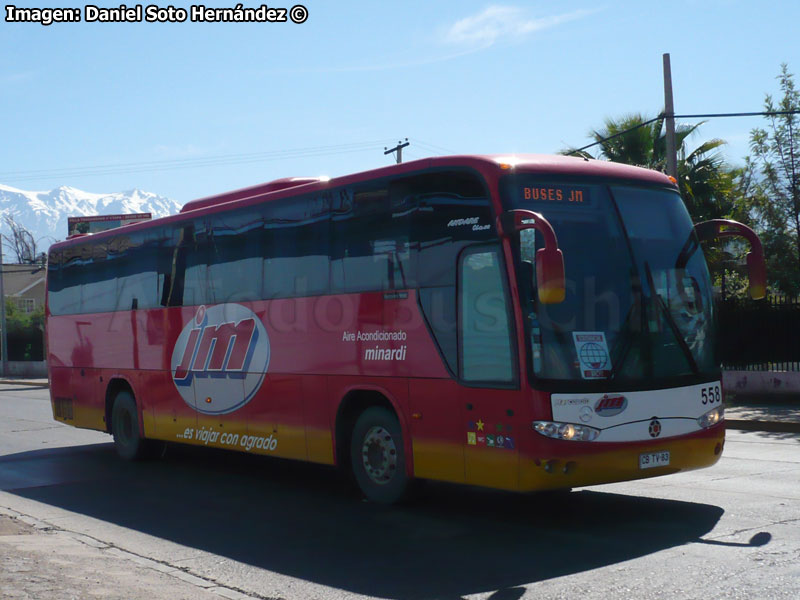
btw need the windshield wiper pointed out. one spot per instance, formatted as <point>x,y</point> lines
<point>670,321</point>
<point>626,333</point>
<point>626,339</point>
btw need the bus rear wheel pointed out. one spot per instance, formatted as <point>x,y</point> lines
<point>129,443</point>
<point>377,456</point>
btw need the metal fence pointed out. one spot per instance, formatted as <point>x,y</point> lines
<point>25,344</point>
<point>762,335</point>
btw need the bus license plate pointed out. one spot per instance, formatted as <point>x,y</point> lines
<point>654,459</point>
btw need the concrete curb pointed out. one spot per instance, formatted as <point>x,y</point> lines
<point>42,384</point>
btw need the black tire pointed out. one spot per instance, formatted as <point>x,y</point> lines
<point>378,457</point>
<point>128,441</point>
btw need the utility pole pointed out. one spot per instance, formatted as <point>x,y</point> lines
<point>4,334</point>
<point>669,113</point>
<point>398,149</point>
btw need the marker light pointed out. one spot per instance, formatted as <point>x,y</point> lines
<point>712,417</point>
<point>566,431</point>
<point>508,162</point>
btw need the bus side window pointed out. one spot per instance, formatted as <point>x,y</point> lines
<point>439,307</point>
<point>63,295</point>
<point>196,288</point>
<point>358,263</point>
<point>370,242</point>
<point>172,267</point>
<point>98,280</point>
<point>136,266</point>
<point>295,247</point>
<point>235,257</point>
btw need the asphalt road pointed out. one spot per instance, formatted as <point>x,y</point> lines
<point>269,528</point>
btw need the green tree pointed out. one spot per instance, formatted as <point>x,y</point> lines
<point>710,188</point>
<point>16,319</point>
<point>775,199</point>
<point>707,184</point>
<point>635,143</point>
<point>25,332</point>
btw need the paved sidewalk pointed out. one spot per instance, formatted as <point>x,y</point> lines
<point>39,561</point>
<point>764,417</point>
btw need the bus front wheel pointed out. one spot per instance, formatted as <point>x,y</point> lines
<point>129,443</point>
<point>377,456</point>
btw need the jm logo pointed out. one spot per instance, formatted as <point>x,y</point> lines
<point>220,358</point>
<point>609,406</point>
<point>224,348</point>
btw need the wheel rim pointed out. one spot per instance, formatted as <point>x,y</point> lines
<point>379,454</point>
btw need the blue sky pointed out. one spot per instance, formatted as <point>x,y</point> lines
<point>325,97</point>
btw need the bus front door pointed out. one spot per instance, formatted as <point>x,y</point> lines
<point>489,392</point>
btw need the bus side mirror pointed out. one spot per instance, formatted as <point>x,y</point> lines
<point>756,265</point>
<point>550,283</point>
<point>757,274</point>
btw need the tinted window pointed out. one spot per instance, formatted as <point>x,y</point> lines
<point>449,211</point>
<point>370,241</point>
<point>235,257</point>
<point>439,307</point>
<point>62,297</point>
<point>122,273</point>
<point>484,317</point>
<point>295,246</point>
<point>139,267</point>
<point>197,246</point>
<point>377,236</point>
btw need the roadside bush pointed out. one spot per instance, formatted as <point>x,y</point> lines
<point>25,333</point>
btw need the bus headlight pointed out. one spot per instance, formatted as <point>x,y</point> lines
<point>712,417</point>
<point>566,431</point>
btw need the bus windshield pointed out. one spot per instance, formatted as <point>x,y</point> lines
<point>636,310</point>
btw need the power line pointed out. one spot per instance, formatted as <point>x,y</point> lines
<point>193,165</point>
<point>767,113</point>
<point>616,135</point>
<point>204,161</point>
<point>414,155</point>
<point>166,165</point>
<point>269,153</point>
<point>433,147</point>
<point>697,116</point>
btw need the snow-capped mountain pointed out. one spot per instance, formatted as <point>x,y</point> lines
<point>45,214</point>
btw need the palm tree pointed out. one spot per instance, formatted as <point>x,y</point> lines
<point>706,183</point>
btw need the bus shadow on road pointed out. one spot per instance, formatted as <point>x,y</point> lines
<point>304,521</point>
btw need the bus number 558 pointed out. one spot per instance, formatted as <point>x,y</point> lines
<point>711,394</point>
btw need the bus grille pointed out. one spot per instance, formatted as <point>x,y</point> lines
<point>63,408</point>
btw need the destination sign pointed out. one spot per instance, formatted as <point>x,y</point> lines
<point>557,194</point>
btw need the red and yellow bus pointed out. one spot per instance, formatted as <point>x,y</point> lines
<point>522,323</point>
